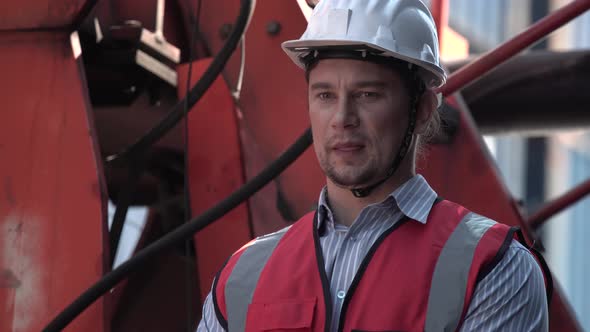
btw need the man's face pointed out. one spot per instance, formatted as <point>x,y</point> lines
<point>359,115</point>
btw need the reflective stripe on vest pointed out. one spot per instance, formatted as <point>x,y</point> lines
<point>449,280</point>
<point>241,284</point>
<point>446,298</point>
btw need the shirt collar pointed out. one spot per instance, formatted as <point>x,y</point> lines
<point>414,198</point>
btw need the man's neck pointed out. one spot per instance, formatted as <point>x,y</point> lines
<point>346,207</point>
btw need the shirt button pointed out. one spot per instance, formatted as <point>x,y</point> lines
<point>341,294</point>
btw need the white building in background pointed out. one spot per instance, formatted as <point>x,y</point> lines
<point>567,155</point>
<point>131,233</point>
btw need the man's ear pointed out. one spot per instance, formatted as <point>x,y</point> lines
<point>427,105</point>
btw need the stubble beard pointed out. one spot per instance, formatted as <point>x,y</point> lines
<point>350,176</point>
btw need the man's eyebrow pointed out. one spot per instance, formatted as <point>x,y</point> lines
<point>320,86</point>
<point>359,84</point>
<point>370,84</point>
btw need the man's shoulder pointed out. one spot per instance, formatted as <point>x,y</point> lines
<point>512,295</point>
<point>275,236</point>
<point>518,253</point>
<point>444,207</point>
<point>474,218</point>
<point>260,246</point>
<point>271,236</point>
<point>268,242</point>
<point>265,242</point>
<point>470,217</point>
<point>517,267</point>
<point>452,205</point>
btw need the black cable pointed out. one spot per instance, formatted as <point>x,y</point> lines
<point>174,116</point>
<point>189,279</point>
<point>86,9</point>
<point>183,232</point>
<point>178,112</point>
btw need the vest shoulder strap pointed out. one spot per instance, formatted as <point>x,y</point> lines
<point>236,282</point>
<point>467,248</point>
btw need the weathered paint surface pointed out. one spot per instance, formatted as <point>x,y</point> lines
<point>38,14</point>
<point>215,171</point>
<point>52,215</point>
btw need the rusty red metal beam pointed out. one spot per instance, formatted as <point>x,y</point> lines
<point>495,57</point>
<point>559,204</point>
<point>440,13</point>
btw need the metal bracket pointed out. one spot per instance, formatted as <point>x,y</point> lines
<point>155,42</point>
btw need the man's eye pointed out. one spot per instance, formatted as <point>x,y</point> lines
<point>368,95</point>
<point>325,95</point>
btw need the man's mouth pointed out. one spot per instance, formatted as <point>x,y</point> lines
<point>347,147</point>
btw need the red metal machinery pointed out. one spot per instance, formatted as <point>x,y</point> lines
<point>53,206</point>
<point>53,236</point>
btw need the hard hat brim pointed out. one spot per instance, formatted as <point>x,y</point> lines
<point>433,75</point>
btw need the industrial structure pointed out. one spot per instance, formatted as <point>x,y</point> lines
<point>189,109</point>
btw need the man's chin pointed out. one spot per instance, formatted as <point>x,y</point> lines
<point>349,176</point>
<point>348,182</point>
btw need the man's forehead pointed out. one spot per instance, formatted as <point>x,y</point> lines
<point>355,72</point>
<point>320,85</point>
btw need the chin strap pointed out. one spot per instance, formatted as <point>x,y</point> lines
<point>417,88</point>
<point>403,150</point>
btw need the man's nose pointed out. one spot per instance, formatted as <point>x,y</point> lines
<point>346,115</point>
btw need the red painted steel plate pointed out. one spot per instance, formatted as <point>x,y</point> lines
<point>38,14</point>
<point>273,103</point>
<point>52,211</point>
<point>215,171</point>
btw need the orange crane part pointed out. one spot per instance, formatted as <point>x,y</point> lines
<point>53,206</point>
<point>53,232</point>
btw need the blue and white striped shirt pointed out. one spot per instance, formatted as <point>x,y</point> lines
<point>510,298</point>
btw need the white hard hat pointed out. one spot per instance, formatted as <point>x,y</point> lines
<point>402,29</point>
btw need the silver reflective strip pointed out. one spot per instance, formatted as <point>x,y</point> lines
<point>449,280</point>
<point>242,281</point>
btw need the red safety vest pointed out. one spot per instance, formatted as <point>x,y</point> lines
<point>278,282</point>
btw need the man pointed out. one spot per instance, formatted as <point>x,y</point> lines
<point>382,252</point>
